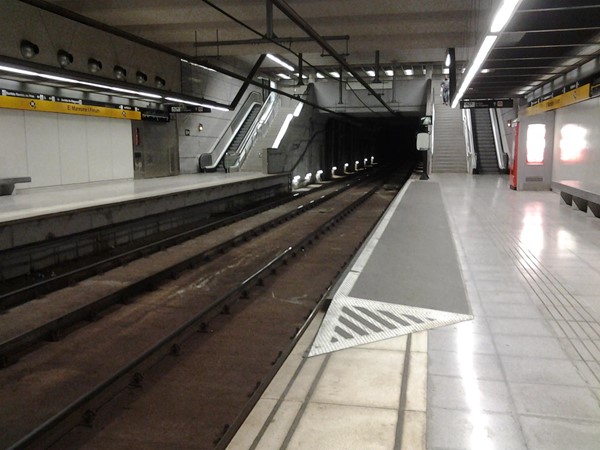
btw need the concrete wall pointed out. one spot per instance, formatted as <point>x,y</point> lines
<point>409,96</point>
<point>51,32</point>
<point>56,149</point>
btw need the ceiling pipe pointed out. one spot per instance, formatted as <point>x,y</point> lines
<point>298,20</point>
<point>269,33</point>
<point>377,80</point>
<point>269,40</point>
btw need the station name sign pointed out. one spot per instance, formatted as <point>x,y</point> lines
<point>64,105</point>
<point>486,103</point>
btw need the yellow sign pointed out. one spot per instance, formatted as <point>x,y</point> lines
<point>560,101</point>
<point>29,104</point>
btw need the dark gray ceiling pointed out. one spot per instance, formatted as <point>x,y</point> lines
<point>544,39</point>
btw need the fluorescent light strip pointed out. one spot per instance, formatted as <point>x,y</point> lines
<point>448,60</point>
<point>503,15</point>
<point>334,74</point>
<point>280,62</point>
<point>370,73</point>
<point>390,72</point>
<point>298,109</point>
<point>74,81</point>
<point>282,131</point>
<point>320,75</point>
<point>198,65</point>
<point>284,76</point>
<point>19,71</point>
<point>217,108</point>
<point>484,50</point>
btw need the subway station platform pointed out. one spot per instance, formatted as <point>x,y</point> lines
<point>510,361</point>
<point>31,215</point>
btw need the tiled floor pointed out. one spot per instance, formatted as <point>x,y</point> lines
<point>525,372</point>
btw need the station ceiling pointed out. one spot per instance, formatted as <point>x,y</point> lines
<point>544,38</point>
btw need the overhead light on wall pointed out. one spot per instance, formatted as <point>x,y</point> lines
<point>424,69</point>
<point>445,71</point>
<point>94,65</point>
<point>409,72</point>
<point>448,60</point>
<point>29,49</point>
<point>64,58</point>
<point>159,82</point>
<point>284,76</point>
<point>334,74</point>
<point>370,72</point>
<point>141,77</point>
<point>389,72</point>
<point>280,62</point>
<point>320,75</point>
<point>120,73</point>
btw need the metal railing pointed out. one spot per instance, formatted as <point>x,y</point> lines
<point>470,145</point>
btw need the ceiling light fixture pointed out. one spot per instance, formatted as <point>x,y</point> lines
<point>64,58</point>
<point>334,74</point>
<point>28,49</point>
<point>320,75</point>
<point>448,60</point>
<point>141,77</point>
<point>120,73</point>
<point>370,72</point>
<point>280,62</point>
<point>284,76</point>
<point>409,72</point>
<point>94,65</point>
<point>159,82</point>
<point>389,72</point>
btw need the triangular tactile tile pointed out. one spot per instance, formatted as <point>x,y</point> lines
<point>355,321</point>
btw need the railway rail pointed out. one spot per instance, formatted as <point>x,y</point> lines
<point>208,311</point>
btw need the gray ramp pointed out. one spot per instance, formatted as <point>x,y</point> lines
<point>406,279</point>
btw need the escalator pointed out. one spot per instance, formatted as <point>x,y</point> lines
<point>241,134</point>
<point>483,140</point>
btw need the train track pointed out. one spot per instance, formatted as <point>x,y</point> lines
<point>240,307</point>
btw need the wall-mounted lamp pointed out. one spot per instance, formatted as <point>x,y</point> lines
<point>29,49</point>
<point>141,77</point>
<point>200,127</point>
<point>319,175</point>
<point>159,82</point>
<point>333,169</point>
<point>120,73</point>
<point>64,58</point>
<point>94,65</point>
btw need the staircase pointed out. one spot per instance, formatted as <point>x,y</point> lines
<point>449,152</point>
<point>483,139</point>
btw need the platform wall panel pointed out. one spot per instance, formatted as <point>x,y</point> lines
<point>43,154</point>
<point>13,148</point>
<point>72,139</point>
